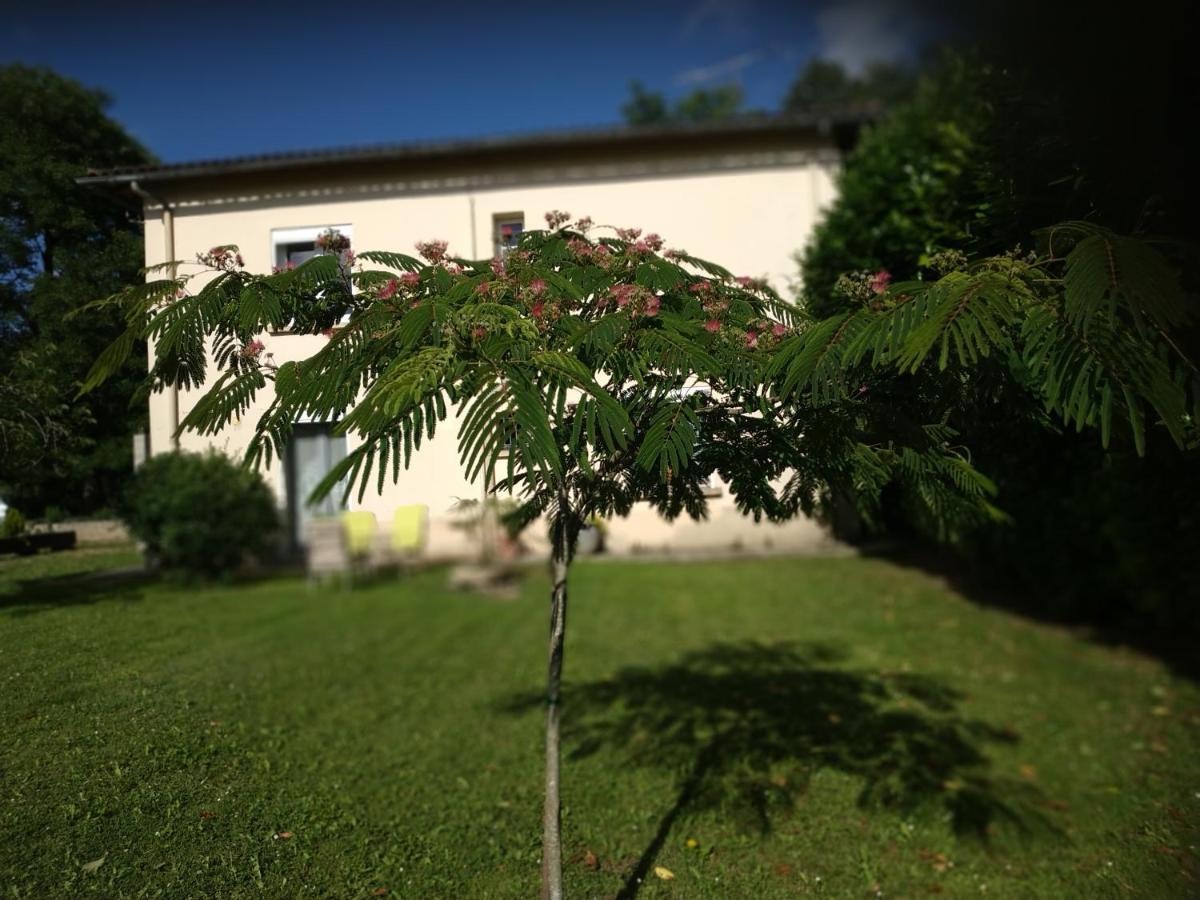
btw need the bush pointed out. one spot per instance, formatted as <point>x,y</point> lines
<point>199,515</point>
<point>13,524</point>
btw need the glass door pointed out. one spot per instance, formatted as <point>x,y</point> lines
<point>312,452</point>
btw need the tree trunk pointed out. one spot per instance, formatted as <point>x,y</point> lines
<point>551,815</point>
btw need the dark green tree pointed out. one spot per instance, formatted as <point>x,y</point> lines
<point>825,86</point>
<point>985,155</point>
<point>701,105</point>
<point>60,246</point>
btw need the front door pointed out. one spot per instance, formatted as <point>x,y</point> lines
<point>312,452</point>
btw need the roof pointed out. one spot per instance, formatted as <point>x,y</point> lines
<point>832,127</point>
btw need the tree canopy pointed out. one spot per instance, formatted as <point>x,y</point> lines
<point>62,245</point>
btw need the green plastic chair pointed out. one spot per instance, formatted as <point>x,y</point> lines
<point>408,530</point>
<point>359,527</point>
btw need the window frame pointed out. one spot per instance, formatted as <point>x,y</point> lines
<point>498,221</point>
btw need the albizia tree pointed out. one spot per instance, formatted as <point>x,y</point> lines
<point>585,374</point>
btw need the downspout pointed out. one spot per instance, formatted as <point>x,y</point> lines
<point>169,246</point>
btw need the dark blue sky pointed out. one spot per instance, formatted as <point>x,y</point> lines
<point>194,81</point>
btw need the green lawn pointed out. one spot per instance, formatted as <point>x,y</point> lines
<point>824,727</point>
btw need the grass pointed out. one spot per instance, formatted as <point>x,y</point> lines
<point>822,727</point>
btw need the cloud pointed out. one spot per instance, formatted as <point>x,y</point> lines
<point>864,31</point>
<point>723,69</point>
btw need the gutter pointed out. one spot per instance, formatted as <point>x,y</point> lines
<point>169,245</point>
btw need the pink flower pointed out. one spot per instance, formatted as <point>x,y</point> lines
<point>556,218</point>
<point>434,251</point>
<point>537,309</point>
<point>879,284</point>
<point>253,349</point>
<point>654,242</point>
<point>751,339</point>
<point>641,247</point>
<point>675,254</point>
<point>584,224</point>
<point>653,303</point>
<point>479,332</point>
<point>238,260</point>
<point>629,234</point>
<point>389,289</point>
<point>537,286</point>
<point>410,279</point>
<point>712,326</point>
<point>498,265</point>
<point>779,329</point>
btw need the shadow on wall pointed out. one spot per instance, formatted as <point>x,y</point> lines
<point>748,725</point>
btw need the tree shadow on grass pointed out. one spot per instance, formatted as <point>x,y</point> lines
<point>29,596</point>
<point>748,725</point>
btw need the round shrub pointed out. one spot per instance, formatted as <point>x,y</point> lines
<point>13,524</point>
<point>199,515</point>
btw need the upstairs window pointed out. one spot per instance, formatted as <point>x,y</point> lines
<point>292,246</point>
<point>506,232</point>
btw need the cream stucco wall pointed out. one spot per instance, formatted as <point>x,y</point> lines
<point>749,211</point>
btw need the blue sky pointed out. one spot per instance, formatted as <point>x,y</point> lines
<point>197,81</point>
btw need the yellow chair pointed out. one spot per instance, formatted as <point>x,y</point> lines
<point>408,530</point>
<point>359,528</point>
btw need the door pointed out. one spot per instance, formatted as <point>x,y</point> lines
<point>312,452</point>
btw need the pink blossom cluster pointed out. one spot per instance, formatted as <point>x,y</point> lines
<point>751,284</point>
<point>637,299</point>
<point>584,225</point>
<point>432,251</point>
<point>393,286</point>
<point>556,218</point>
<point>763,332</point>
<point>286,267</point>
<point>222,258</point>
<point>629,234</point>
<point>880,281</point>
<point>253,349</point>
<point>585,251</point>
<point>674,255</point>
<point>331,241</point>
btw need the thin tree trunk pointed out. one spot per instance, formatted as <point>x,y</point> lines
<point>552,812</point>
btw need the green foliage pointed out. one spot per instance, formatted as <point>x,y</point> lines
<point>1086,327</point>
<point>199,515</point>
<point>701,105</point>
<point>13,524</point>
<point>825,86</point>
<point>60,245</point>
<point>1096,325</point>
<point>909,189</point>
<point>586,374</point>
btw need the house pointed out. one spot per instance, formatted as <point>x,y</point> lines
<point>745,193</point>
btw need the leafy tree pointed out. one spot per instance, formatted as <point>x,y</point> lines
<point>61,245</point>
<point>993,146</point>
<point>701,105</point>
<point>825,85</point>
<point>585,374</point>
<point>912,187</point>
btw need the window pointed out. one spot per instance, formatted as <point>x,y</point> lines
<point>312,451</point>
<point>506,231</point>
<point>292,246</point>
